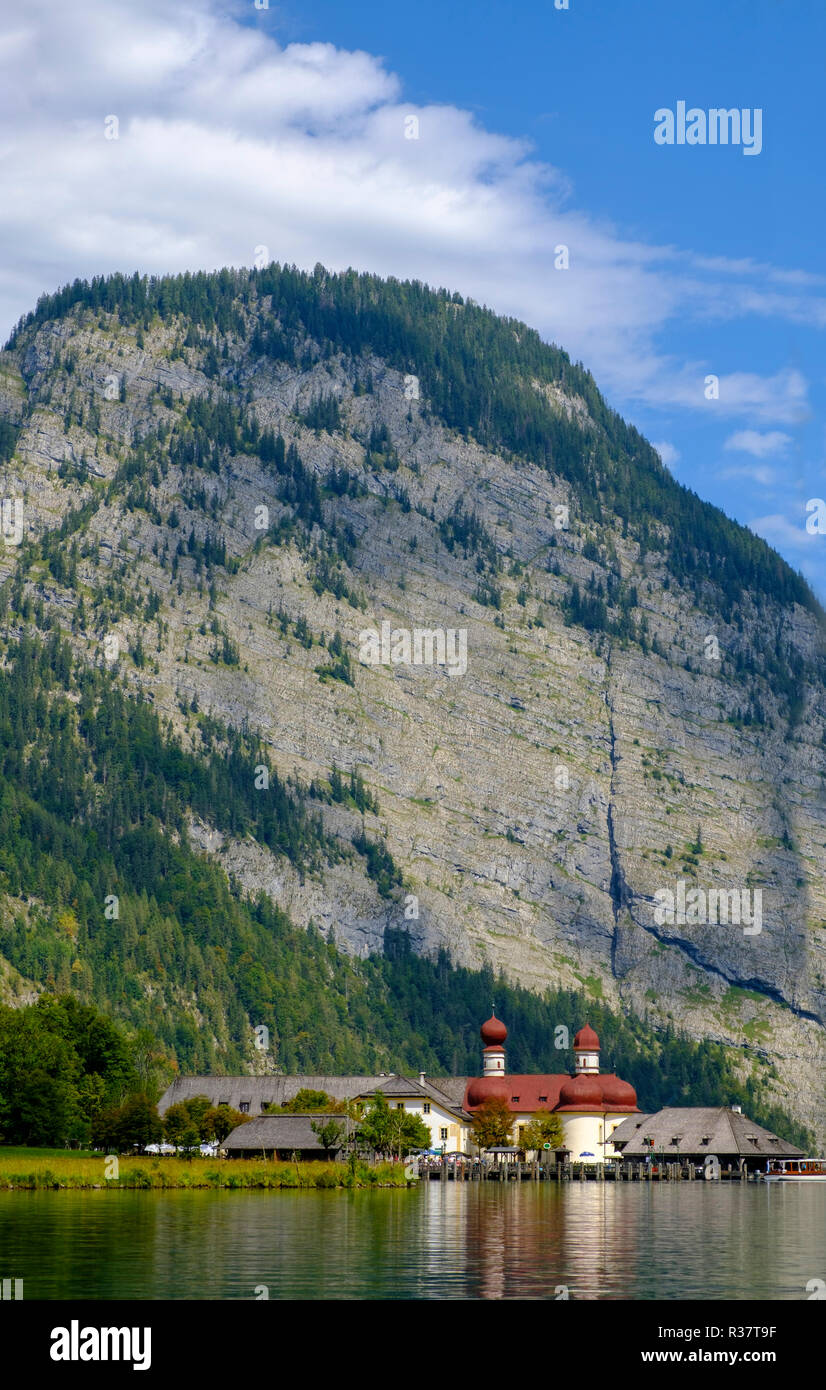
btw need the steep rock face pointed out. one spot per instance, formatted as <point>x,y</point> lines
<point>537,802</point>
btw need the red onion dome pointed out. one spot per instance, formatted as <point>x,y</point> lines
<point>587,1039</point>
<point>493,1032</point>
<point>581,1090</point>
<point>484,1087</point>
<point>617,1092</point>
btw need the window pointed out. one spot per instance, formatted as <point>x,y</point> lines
<point>244,1107</point>
<point>514,1099</point>
<point>400,1105</point>
<point>426,1107</point>
<point>442,1133</point>
<point>543,1098</point>
<point>223,1102</point>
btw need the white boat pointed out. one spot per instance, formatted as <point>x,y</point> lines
<point>795,1170</point>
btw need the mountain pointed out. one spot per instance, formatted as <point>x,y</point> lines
<point>228,482</point>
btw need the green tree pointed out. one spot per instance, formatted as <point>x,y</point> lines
<point>196,1120</point>
<point>385,1131</point>
<point>330,1134</point>
<point>307,1102</point>
<point>190,1138</point>
<point>411,1132</point>
<point>122,1127</point>
<point>177,1122</point>
<point>374,1132</point>
<point>544,1128</point>
<point>198,1107</point>
<point>150,1062</point>
<point>219,1121</point>
<point>492,1124</point>
<point>38,1097</point>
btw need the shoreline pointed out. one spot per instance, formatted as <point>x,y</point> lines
<point>102,1172</point>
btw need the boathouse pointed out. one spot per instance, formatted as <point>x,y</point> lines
<point>697,1131</point>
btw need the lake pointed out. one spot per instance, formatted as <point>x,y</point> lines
<point>442,1241</point>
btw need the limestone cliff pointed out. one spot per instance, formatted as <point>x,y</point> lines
<point>605,741</point>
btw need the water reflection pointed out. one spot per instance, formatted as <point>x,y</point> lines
<point>447,1241</point>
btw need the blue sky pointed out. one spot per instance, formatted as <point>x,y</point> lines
<point>284,129</point>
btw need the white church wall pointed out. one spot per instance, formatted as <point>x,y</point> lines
<point>583,1135</point>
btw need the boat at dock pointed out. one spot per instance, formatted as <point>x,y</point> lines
<point>795,1170</point>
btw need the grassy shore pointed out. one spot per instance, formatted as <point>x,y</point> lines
<point>22,1169</point>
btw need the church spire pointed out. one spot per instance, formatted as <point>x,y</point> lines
<point>493,1033</point>
<point>586,1051</point>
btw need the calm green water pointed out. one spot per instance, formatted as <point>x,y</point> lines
<point>444,1241</point>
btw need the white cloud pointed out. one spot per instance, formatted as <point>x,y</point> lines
<point>783,533</point>
<point>781,397</point>
<point>760,445</point>
<point>667,453</point>
<point>229,141</point>
<point>758,473</point>
<point>747,266</point>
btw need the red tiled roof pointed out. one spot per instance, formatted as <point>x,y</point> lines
<point>543,1093</point>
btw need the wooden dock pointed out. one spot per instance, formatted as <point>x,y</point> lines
<point>474,1171</point>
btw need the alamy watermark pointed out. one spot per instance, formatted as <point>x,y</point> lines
<point>77,1343</point>
<point>717,126</point>
<point>710,907</point>
<point>418,646</point>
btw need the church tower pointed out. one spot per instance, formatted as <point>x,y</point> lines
<point>493,1034</point>
<point>586,1052</point>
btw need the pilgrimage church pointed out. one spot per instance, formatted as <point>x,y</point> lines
<point>590,1103</point>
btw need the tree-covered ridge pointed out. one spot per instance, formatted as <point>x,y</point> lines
<point>481,374</point>
<point>94,800</point>
<point>119,769</point>
<point>194,964</point>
